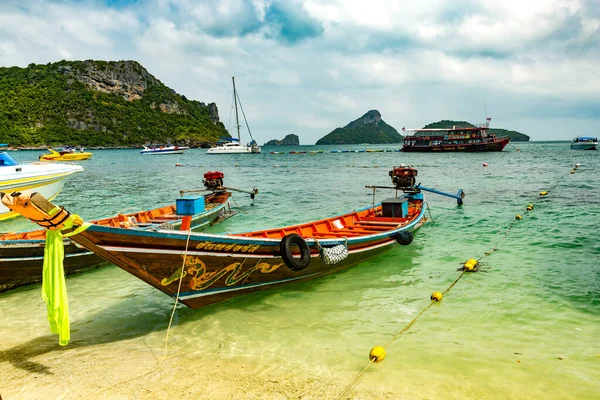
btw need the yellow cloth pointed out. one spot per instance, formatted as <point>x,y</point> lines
<point>54,289</point>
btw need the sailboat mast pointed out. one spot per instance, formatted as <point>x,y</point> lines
<point>237,120</point>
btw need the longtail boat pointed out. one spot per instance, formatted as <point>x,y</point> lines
<point>200,268</point>
<point>22,253</point>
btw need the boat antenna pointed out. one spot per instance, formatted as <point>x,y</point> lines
<point>237,121</point>
<point>245,120</point>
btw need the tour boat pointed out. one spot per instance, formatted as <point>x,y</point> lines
<point>584,143</point>
<point>467,139</point>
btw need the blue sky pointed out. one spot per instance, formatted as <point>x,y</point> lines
<point>306,67</point>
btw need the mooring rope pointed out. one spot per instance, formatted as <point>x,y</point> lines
<point>168,327</point>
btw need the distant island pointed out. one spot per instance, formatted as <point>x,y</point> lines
<point>288,140</point>
<point>99,104</point>
<point>369,128</point>
<point>513,135</point>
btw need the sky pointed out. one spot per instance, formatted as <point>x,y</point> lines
<point>306,67</point>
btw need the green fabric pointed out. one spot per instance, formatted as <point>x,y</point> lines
<point>54,288</point>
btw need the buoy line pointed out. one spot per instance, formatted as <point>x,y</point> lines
<point>378,353</point>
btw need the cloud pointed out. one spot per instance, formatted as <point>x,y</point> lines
<point>308,66</point>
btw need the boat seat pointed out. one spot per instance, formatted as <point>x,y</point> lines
<point>370,227</point>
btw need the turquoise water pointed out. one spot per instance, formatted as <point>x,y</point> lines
<point>526,326</point>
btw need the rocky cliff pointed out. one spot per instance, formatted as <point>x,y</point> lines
<point>288,140</point>
<point>99,104</point>
<point>369,128</point>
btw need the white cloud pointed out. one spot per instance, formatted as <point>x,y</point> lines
<point>416,63</point>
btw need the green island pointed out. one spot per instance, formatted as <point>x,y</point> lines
<point>369,128</point>
<point>99,104</point>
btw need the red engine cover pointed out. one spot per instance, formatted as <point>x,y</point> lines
<point>213,175</point>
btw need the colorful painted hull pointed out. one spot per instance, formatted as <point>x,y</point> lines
<point>65,156</point>
<point>22,255</point>
<point>214,267</point>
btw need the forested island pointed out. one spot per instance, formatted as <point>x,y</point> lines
<point>99,104</point>
<point>369,128</point>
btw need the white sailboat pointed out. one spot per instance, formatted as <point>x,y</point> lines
<point>233,145</point>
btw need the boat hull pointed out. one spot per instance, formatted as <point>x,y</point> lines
<point>49,189</point>
<point>233,150</point>
<point>219,267</point>
<point>21,261</point>
<point>164,150</point>
<point>585,146</point>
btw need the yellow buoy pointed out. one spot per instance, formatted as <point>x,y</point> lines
<point>543,193</point>
<point>472,261</point>
<point>530,207</point>
<point>469,266</point>
<point>377,354</point>
<point>518,216</point>
<point>572,171</point>
<point>437,296</point>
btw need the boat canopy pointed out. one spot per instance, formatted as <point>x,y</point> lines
<point>7,160</point>
<point>228,139</point>
<point>586,138</point>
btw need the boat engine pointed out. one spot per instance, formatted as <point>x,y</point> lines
<point>403,177</point>
<point>213,180</point>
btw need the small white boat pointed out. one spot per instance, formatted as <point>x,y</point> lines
<point>233,145</point>
<point>584,143</point>
<point>164,150</point>
<point>44,178</point>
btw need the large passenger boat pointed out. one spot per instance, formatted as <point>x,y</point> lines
<point>473,138</point>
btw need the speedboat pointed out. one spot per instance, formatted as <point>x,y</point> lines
<point>39,177</point>
<point>164,150</point>
<point>584,143</point>
<point>65,155</point>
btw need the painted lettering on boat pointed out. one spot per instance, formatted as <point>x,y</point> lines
<point>202,279</point>
<point>249,248</point>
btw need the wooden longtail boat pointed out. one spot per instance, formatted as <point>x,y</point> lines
<point>22,254</point>
<point>215,267</point>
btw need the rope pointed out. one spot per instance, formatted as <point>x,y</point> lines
<point>168,327</point>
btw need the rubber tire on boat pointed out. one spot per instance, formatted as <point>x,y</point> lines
<point>404,238</point>
<point>295,264</point>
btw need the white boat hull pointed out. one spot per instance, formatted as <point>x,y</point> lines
<point>584,146</point>
<point>44,178</point>
<point>233,149</point>
<point>164,150</point>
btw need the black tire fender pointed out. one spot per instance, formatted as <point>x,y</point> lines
<point>295,264</point>
<point>404,238</point>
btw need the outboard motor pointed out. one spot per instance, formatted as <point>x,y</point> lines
<point>213,180</point>
<point>403,177</point>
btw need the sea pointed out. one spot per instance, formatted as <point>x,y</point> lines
<point>526,325</point>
